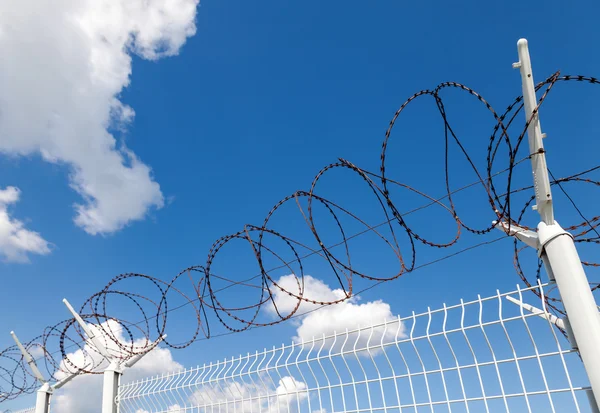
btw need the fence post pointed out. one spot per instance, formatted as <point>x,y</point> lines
<point>116,366</point>
<point>110,387</point>
<point>44,393</point>
<point>42,399</point>
<point>555,245</point>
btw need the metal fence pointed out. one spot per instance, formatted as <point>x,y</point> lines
<point>28,410</point>
<point>486,355</point>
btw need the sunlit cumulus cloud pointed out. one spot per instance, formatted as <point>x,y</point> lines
<point>84,393</point>
<point>16,242</point>
<point>347,315</point>
<point>268,396</point>
<point>64,65</point>
<point>242,397</point>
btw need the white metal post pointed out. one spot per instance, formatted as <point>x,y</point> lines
<point>110,387</point>
<point>555,245</point>
<point>42,400</point>
<point>116,366</point>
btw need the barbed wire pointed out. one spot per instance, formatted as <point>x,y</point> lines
<point>77,346</point>
<point>205,298</point>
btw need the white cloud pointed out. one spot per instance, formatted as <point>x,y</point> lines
<point>36,351</point>
<point>347,315</point>
<point>172,409</point>
<point>84,393</point>
<point>64,64</point>
<point>16,241</point>
<point>262,395</point>
<point>290,391</point>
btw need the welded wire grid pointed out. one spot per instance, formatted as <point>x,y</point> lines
<point>486,355</point>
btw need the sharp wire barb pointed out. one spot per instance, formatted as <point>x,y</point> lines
<point>126,338</point>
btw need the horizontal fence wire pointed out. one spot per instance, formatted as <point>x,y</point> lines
<point>487,355</point>
<point>28,410</point>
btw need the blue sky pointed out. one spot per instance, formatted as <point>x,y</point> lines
<point>260,99</point>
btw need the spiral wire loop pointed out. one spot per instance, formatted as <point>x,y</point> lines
<point>75,354</point>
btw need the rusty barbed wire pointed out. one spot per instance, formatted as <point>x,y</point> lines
<point>125,338</point>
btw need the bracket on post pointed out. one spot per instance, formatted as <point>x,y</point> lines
<point>88,331</point>
<point>560,322</point>
<point>557,321</point>
<point>554,245</point>
<point>44,393</point>
<point>527,236</point>
<point>32,365</point>
<point>116,366</point>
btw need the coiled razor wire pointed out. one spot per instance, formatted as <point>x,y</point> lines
<point>122,336</point>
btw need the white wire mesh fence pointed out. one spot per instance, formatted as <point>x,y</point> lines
<point>487,355</point>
